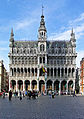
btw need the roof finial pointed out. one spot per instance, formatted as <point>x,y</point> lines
<point>12,32</point>
<point>72,29</point>
<point>42,9</point>
<point>72,32</point>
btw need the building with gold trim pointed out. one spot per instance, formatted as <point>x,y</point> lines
<point>27,58</point>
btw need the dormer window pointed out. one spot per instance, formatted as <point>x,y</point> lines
<point>42,47</point>
<point>42,33</point>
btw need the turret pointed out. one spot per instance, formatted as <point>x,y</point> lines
<point>12,38</point>
<point>42,29</point>
<point>72,39</point>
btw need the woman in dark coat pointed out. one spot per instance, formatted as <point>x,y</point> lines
<point>10,95</point>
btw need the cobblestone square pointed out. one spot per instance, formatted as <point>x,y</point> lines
<point>61,107</point>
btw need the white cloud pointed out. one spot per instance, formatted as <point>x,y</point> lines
<point>79,19</point>
<point>24,23</point>
<point>3,49</point>
<point>77,24</point>
<point>60,36</point>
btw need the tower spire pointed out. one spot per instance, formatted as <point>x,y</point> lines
<point>12,36</point>
<point>72,32</point>
<point>12,32</point>
<point>42,29</point>
<point>42,9</point>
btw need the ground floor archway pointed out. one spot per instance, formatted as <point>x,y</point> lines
<point>70,86</point>
<point>56,85</point>
<point>49,85</point>
<point>41,86</point>
<point>34,85</point>
<point>27,85</point>
<point>63,85</point>
<point>20,85</point>
<point>13,85</point>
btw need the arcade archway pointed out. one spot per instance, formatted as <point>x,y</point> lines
<point>34,85</point>
<point>56,86</point>
<point>41,86</point>
<point>20,85</point>
<point>63,85</point>
<point>13,85</point>
<point>70,86</point>
<point>49,85</point>
<point>27,85</point>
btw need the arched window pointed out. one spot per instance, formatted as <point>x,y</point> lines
<point>43,59</point>
<point>42,48</point>
<point>40,59</point>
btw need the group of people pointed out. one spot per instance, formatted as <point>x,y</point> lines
<point>30,94</point>
<point>21,94</point>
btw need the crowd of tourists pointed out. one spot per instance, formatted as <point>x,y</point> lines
<point>21,94</point>
<point>32,94</point>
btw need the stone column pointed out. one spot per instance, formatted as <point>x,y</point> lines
<point>30,85</point>
<point>45,86</point>
<point>67,87</point>
<point>53,72</point>
<point>45,59</point>
<point>9,85</point>
<point>23,85</point>
<point>64,71</point>
<point>59,87</point>
<point>73,84</point>
<point>60,73</point>
<point>16,85</point>
<point>52,85</point>
<point>37,85</point>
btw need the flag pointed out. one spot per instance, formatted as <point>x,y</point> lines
<point>44,71</point>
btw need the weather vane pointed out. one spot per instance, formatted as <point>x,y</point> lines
<point>42,9</point>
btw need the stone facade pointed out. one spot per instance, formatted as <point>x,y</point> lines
<point>3,77</point>
<point>77,82</point>
<point>82,76</point>
<point>58,59</point>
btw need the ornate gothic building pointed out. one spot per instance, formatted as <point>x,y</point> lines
<point>42,65</point>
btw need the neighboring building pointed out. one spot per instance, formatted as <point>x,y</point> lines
<point>82,76</point>
<point>29,59</point>
<point>77,83</point>
<point>3,77</point>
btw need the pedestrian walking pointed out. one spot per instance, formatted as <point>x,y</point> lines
<point>23,94</point>
<point>74,94</point>
<point>15,93</point>
<point>10,95</point>
<point>20,95</point>
<point>3,94</point>
<point>53,95</point>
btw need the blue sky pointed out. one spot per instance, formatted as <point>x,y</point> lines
<point>24,17</point>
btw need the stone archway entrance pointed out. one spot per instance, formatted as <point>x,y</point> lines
<point>20,85</point>
<point>56,86</point>
<point>63,86</point>
<point>41,86</point>
<point>34,85</point>
<point>49,85</point>
<point>27,85</point>
<point>13,85</point>
<point>70,86</point>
